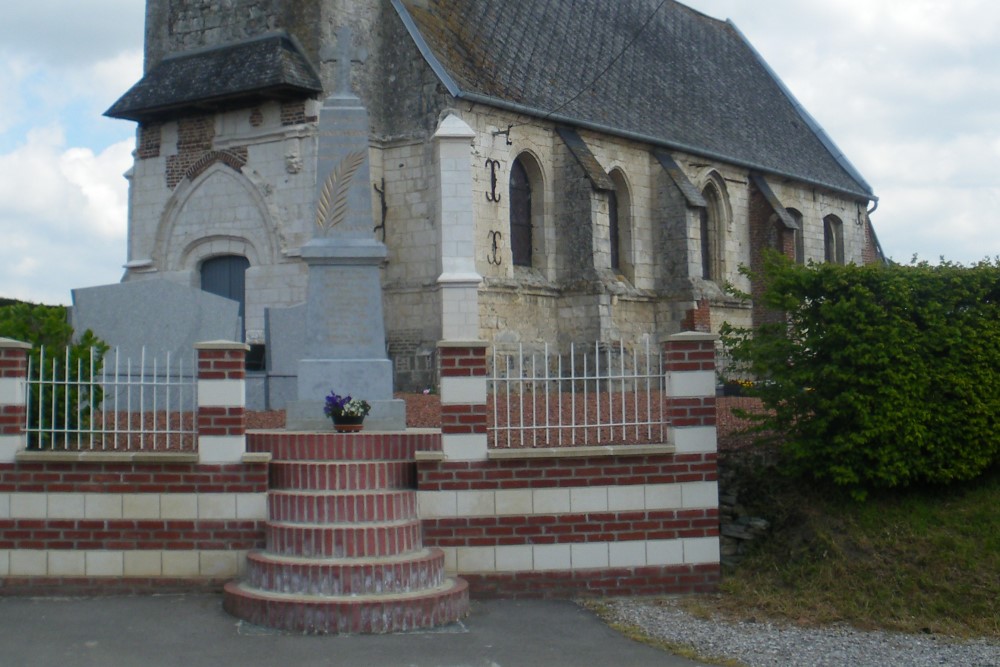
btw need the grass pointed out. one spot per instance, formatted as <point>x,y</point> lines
<point>925,560</point>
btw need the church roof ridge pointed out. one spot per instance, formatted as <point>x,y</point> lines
<point>683,80</point>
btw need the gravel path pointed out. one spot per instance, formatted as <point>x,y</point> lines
<point>768,644</point>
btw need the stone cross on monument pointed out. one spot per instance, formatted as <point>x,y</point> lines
<point>344,54</point>
<point>344,348</point>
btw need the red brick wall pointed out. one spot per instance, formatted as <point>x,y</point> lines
<point>565,472</point>
<point>463,361</point>
<point>130,534</point>
<point>573,528</point>
<point>294,113</point>
<point>227,364</point>
<point>652,580</point>
<point>149,140</point>
<point>222,364</point>
<point>90,477</point>
<point>126,534</point>
<point>13,364</point>
<point>194,138</point>
<point>698,318</point>
<point>222,421</point>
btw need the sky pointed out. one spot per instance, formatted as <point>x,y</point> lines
<point>909,91</point>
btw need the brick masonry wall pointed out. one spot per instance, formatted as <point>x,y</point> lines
<point>13,367</point>
<point>570,525</point>
<point>680,579</point>
<point>565,472</point>
<point>194,139</point>
<point>115,527</point>
<point>135,478</point>
<point>128,534</point>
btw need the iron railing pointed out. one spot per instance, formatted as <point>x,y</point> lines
<point>590,395</point>
<point>80,404</point>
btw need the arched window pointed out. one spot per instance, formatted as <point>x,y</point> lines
<point>225,275</point>
<point>614,232</point>
<point>711,227</point>
<point>798,234</point>
<point>620,225</point>
<point>520,214</point>
<point>833,239</point>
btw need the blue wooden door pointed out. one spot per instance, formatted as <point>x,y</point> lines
<point>226,276</point>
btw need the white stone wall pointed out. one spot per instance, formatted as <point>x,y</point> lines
<point>815,204</point>
<point>265,212</point>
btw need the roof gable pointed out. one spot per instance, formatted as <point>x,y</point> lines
<point>681,79</point>
<point>271,66</point>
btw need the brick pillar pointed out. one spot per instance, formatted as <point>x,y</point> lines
<point>13,376</point>
<point>222,401</point>
<point>463,399</point>
<point>690,370</point>
<point>698,318</point>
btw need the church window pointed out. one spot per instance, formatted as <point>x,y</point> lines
<point>621,228</point>
<point>520,214</point>
<point>797,235</point>
<point>613,231</point>
<point>833,239</point>
<point>711,229</point>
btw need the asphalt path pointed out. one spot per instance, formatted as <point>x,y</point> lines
<point>194,631</point>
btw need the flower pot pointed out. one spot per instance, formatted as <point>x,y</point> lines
<point>348,424</point>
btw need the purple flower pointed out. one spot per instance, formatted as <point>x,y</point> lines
<point>337,406</point>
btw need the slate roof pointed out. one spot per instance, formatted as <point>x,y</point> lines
<point>687,82</point>
<point>266,67</point>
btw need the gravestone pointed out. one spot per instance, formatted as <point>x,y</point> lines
<point>152,327</point>
<point>343,342</point>
<point>158,315</point>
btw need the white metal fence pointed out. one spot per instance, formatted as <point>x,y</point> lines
<point>86,403</point>
<point>591,395</point>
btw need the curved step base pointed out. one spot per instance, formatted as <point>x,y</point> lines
<point>291,446</point>
<point>419,570</point>
<point>375,614</point>
<point>343,540</point>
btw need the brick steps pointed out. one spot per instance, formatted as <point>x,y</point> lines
<point>340,507</point>
<point>342,475</point>
<point>371,614</point>
<point>344,549</point>
<point>344,540</point>
<point>421,569</point>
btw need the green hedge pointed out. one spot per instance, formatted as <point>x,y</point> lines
<point>47,326</point>
<point>879,376</point>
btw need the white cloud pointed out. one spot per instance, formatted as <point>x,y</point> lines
<point>911,93</point>
<point>64,215</point>
<point>61,32</point>
<point>13,73</point>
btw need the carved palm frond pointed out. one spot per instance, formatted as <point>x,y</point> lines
<point>331,209</point>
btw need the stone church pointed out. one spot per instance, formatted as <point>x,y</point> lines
<point>627,159</point>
